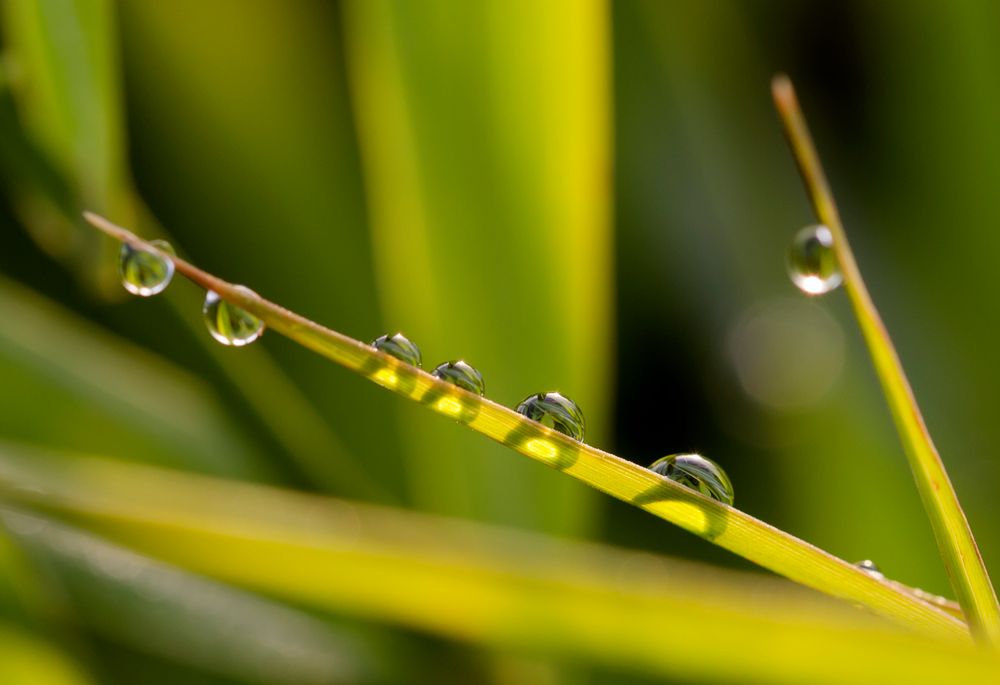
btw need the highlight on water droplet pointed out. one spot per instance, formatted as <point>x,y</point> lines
<point>698,473</point>
<point>812,261</point>
<point>555,411</point>
<point>871,568</point>
<point>144,272</point>
<point>461,374</point>
<point>400,347</point>
<point>229,324</point>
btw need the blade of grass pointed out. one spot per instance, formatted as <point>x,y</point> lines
<point>470,115</point>
<point>63,148</point>
<point>162,610</point>
<point>485,584</point>
<point>135,404</point>
<point>722,525</point>
<point>294,421</point>
<point>27,660</point>
<point>64,75</point>
<point>961,556</point>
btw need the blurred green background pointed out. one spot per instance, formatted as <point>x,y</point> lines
<point>586,196</point>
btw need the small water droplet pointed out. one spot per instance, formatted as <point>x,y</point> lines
<point>555,411</point>
<point>698,473</point>
<point>461,374</point>
<point>812,261</point>
<point>400,347</point>
<point>871,568</point>
<point>145,273</point>
<point>229,324</point>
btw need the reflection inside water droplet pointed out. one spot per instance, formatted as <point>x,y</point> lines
<point>229,324</point>
<point>555,411</point>
<point>400,347</point>
<point>698,473</point>
<point>144,272</point>
<point>461,374</point>
<point>871,568</point>
<point>812,261</point>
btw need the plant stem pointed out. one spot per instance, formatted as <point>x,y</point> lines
<point>962,560</point>
<point>718,523</point>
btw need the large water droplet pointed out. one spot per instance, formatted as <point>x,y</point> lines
<point>698,473</point>
<point>229,324</point>
<point>400,347</point>
<point>461,374</point>
<point>555,411</point>
<point>871,568</point>
<point>812,261</point>
<point>145,273</point>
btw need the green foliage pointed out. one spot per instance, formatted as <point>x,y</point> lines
<point>958,547</point>
<point>453,170</point>
<point>464,581</point>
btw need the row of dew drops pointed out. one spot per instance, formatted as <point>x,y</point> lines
<point>812,266</point>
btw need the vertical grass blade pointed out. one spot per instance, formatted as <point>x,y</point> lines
<point>485,147</point>
<point>951,529</point>
<point>63,72</point>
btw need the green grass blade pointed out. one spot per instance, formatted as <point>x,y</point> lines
<point>720,524</point>
<point>958,547</point>
<point>27,660</point>
<point>64,75</point>
<point>485,584</point>
<point>485,147</point>
<point>164,611</point>
<point>63,149</point>
<point>93,391</point>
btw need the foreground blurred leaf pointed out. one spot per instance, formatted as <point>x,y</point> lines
<point>485,585</point>
<point>92,391</point>
<point>66,151</point>
<point>485,145</point>
<point>62,65</point>
<point>158,609</point>
<point>26,660</point>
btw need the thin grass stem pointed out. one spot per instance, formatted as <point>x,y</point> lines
<point>962,560</point>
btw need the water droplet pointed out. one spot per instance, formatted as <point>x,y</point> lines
<point>555,411</point>
<point>812,261</point>
<point>698,473</point>
<point>145,273</point>
<point>400,347</point>
<point>461,374</point>
<point>871,568</point>
<point>229,324</point>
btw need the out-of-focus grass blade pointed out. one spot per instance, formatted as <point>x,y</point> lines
<point>27,660</point>
<point>966,569</point>
<point>718,523</point>
<point>65,150</point>
<point>485,145</point>
<point>168,612</point>
<point>62,65</point>
<point>258,172</point>
<point>487,585</point>
<point>70,384</point>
